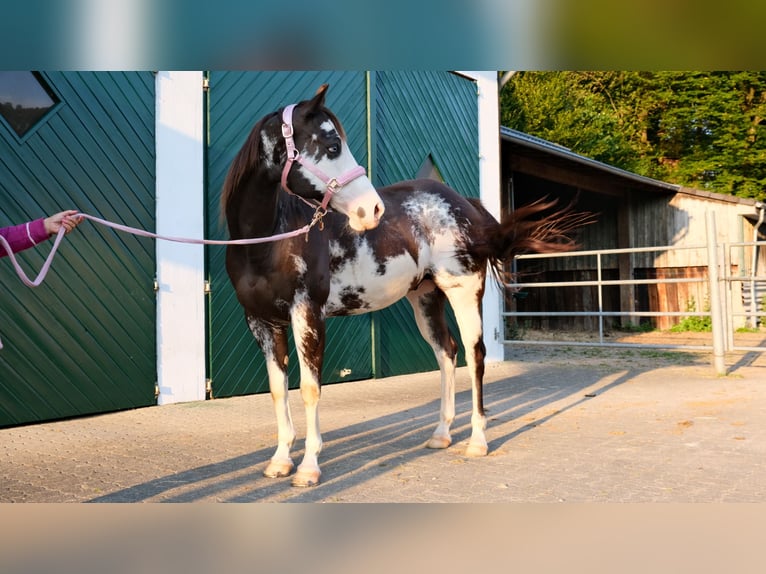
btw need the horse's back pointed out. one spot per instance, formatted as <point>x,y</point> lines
<point>396,190</point>
<point>414,190</point>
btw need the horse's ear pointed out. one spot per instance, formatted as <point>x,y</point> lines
<point>318,99</point>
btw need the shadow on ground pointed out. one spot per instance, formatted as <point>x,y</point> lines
<point>360,452</point>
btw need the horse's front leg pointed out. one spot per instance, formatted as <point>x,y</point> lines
<point>273,342</point>
<point>309,332</point>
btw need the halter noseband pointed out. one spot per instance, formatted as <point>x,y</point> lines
<point>332,183</point>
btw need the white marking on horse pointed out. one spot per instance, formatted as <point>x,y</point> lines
<point>308,471</point>
<point>356,194</point>
<point>328,127</point>
<point>300,264</point>
<point>261,335</point>
<point>431,210</point>
<point>439,230</point>
<point>280,464</point>
<point>269,144</point>
<point>300,314</point>
<point>355,273</point>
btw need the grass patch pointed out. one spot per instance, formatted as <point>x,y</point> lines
<point>694,323</point>
<point>514,330</point>
<point>645,327</point>
<point>747,330</point>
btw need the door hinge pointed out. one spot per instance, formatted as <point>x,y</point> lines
<point>209,389</point>
<point>207,289</point>
<point>156,391</point>
<point>206,84</point>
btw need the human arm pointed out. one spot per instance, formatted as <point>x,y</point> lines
<point>29,234</point>
<point>23,236</point>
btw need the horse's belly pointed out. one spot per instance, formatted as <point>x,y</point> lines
<point>363,287</point>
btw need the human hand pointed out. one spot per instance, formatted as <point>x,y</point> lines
<point>63,219</point>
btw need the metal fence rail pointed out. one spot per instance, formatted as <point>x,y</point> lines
<point>721,313</point>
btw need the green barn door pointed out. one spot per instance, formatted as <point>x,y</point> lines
<point>84,341</point>
<point>425,123</point>
<point>236,101</point>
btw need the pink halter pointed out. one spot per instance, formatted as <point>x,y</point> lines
<point>332,183</point>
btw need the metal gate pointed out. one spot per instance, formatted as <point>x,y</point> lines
<point>84,341</point>
<point>725,293</point>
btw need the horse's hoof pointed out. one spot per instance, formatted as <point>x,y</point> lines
<point>278,468</point>
<point>306,477</point>
<point>476,450</point>
<point>439,442</point>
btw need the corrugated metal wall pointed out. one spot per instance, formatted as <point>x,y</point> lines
<point>420,115</point>
<point>84,341</point>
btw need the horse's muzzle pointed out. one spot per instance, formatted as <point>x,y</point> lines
<point>365,211</point>
<point>377,213</point>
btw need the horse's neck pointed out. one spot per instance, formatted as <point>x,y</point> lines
<point>255,212</point>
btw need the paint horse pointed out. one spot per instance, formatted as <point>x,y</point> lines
<point>369,248</point>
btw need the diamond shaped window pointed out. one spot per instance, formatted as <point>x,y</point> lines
<point>25,98</point>
<point>429,170</point>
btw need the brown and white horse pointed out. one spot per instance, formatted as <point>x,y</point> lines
<point>415,239</point>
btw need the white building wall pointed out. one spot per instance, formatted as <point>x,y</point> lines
<point>489,183</point>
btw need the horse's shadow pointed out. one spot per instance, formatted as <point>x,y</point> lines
<point>362,451</point>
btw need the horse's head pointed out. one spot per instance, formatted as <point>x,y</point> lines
<point>305,147</point>
<point>320,166</point>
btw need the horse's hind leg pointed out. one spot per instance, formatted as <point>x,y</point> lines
<point>466,303</point>
<point>273,343</point>
<point>428,306</point>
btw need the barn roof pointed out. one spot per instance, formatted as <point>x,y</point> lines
<point>562,157</point>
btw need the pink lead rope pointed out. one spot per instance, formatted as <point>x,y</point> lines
<point>140,232</point>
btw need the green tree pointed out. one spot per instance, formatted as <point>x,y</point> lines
<point>705,130</point>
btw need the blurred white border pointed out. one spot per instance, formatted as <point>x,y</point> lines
<point>110,34</point>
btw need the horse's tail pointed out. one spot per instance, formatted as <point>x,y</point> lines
<point>527,230</point>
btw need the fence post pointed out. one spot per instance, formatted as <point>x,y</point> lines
<point>716,313</point>
<point>728,305</point>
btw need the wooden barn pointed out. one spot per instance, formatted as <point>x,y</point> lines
<point>631,211</point>
<point>124,322</point>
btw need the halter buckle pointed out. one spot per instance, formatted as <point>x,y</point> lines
<point>287,130</point>
<point>333,185</point>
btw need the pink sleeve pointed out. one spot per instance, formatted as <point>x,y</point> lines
<point>23,236</point>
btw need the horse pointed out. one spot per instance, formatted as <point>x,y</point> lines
<point>366,249</point>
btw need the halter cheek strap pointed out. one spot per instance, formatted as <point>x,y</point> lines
<point>333,184</point>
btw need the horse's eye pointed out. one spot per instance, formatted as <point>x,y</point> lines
<point>333,150</point>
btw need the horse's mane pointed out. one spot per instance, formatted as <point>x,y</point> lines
<point>244,162</point>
